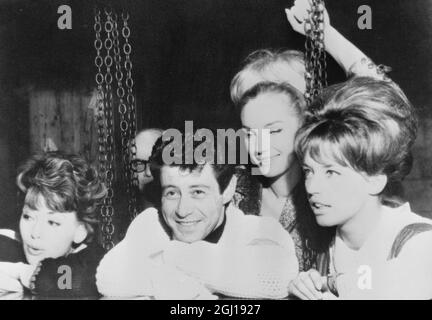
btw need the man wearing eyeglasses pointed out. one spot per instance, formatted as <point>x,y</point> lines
<point>145,141</point>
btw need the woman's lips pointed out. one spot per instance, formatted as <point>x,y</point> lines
<point>318,207</point>
<point>34,251</point>
<point>261,161</point>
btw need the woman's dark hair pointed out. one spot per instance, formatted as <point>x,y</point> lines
<point>66,182</point>
<point>366,124</point>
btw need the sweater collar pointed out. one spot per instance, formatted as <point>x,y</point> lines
<point>216,234</point>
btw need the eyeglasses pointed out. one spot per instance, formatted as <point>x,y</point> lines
<point>139,165</point>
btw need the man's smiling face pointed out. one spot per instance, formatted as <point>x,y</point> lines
<point>192,203</point>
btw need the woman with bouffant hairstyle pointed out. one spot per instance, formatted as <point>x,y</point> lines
<point>355,150</point>
<point>279,108</point>
<point>61,193</point>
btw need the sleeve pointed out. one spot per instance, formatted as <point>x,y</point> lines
<point>134,267</point>
<point>11,250</point>
<point>71,276</point>
<point>262,268</point>
<point>122,274</point>
<point>125,270</point>
<point>409,276</point>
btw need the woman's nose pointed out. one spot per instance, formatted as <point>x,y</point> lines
<point>262,143</point>
<point>257,147</point>
<point>36,230</point>
<point>313,184</point>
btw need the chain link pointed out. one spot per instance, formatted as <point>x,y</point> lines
<point>315,57</point>
<point>316,74</point>
<point>131,116</point>
<point>101,120</point>
<point>125,124</point>
<point>108,227</point>
<point>110,67</point>
<point>105,122</point>
<point>100,97</point>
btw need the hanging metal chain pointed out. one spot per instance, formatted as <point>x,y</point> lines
<point>101,119</point>
<point>131,115</point>
<point>100,96</point>
<point>315,58</point>
<point>122,108</point>
<point>108,62</point>
<point>108,209</point>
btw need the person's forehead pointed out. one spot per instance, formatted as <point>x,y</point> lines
<point>311,162</point>
<point>324,160</point>
<point>175,176</point>
<point>47,213</point>
<point>36,200</point>
<point>278,72</point>
<point>267,108</point>
<point>144,143</point>
<point>41,209</point>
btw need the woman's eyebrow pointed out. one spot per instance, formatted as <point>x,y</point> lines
<point>28,207</point>
<point>272,123</point>
<point>326,166</point>
<point>200,186</point>
<point>168,186</point>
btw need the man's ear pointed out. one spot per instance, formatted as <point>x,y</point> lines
<point>229,190</point>
<point>80,233</point>
<point>376,183</point>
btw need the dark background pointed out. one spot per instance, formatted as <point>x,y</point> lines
<point>184,54</point>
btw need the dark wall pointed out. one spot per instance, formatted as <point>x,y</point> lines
<point>185,53</point>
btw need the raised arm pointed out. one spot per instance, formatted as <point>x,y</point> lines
<point>351,59</point>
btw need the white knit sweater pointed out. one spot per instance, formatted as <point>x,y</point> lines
<point>254,258</point>
<point>368,274</point>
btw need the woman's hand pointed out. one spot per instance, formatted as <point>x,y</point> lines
<point>341,49</point>
<point>308,286</point>
<point>329,296</point>
<point>9,284</point>
<point>17,271</point>
<point>299,12</point>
